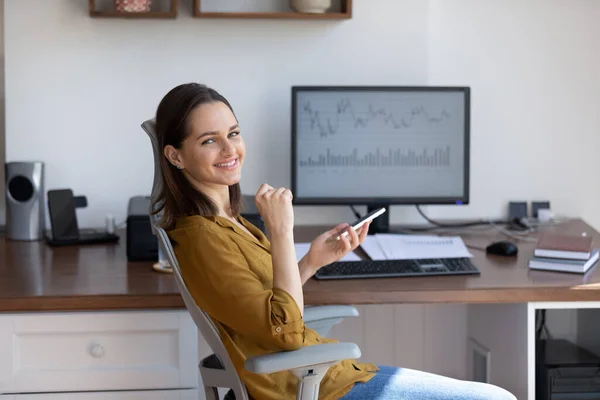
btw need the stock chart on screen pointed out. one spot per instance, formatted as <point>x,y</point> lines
<point>380,143</point>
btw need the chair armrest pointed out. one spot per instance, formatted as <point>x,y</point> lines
<point>323,318</point>
<point>306,357</point>
<point>316,313</point>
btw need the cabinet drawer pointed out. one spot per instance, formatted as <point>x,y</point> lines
<point>99,351</point>
<point>190,394</point>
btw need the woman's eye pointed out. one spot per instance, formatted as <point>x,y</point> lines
<point>210,141</point>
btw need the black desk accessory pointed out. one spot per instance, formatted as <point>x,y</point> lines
<point>63,219</point>
<point>517,210</point>
<point>565,370</point>
<point>142,243</point>
<point>538,205</point>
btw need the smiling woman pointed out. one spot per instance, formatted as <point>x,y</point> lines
<point>201,156</point>
<point>251,286</point>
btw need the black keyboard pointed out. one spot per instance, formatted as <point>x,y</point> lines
<point>397,268</point>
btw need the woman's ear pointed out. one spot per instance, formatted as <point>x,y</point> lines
<point>173,156</point>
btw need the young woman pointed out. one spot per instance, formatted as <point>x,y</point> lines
<point>251,286</point>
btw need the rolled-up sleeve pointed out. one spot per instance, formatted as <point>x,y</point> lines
<point>220,280</point>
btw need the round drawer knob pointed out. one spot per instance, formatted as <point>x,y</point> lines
<point>96,350</point>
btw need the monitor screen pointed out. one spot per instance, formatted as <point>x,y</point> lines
<point>387,145</point>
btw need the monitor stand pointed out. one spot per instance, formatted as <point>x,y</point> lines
<point>380,224</point>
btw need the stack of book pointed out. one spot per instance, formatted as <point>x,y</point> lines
<point>564,253</point>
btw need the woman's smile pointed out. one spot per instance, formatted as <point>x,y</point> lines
<point>228,164</point>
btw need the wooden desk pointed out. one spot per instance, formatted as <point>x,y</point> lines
<point>502,279</point>
<point>36,277</point>
<point>90,281</point>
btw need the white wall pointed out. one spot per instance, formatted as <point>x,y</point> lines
<point>533,66</point>
<point>89,83</point>
<point>77,89</point>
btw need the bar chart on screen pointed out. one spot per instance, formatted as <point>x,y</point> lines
<point>436,157</point>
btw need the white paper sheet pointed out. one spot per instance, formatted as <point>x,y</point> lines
<point>373,249</point>
<point>302,249</point>
<point>403,247</point>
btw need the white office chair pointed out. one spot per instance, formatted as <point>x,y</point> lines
<point>309,364</point>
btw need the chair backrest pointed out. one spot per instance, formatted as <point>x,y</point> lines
<point>202,320</point>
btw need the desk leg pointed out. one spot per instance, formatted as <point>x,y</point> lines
<point>531,309</point>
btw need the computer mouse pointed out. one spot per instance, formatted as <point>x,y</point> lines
<point>502,248</point>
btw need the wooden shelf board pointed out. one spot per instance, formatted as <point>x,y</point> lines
<point>118,14</point>
<point>271,15</point>
<point>170,12</point>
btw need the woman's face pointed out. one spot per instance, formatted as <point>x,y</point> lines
<point>213,153</point>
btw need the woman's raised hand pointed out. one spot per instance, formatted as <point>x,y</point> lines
<point>323,250</point>
<point>275,206</point>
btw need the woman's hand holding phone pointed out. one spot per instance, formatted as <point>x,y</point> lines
<point>324,251</point>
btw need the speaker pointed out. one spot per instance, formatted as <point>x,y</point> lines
<point>25,204</point>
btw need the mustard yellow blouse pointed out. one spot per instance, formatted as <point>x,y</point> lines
<point>230,275</point>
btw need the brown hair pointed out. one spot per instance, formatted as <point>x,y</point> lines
<point>178,197</point>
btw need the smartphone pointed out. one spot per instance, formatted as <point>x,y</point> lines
<point>360,222</point>
<point>63,219</point>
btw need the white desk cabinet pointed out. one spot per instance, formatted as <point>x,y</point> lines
<point>98,351</point>
<point>190,394</point>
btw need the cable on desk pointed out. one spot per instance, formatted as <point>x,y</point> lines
<point>531,226</point>
<point>470,246</point>
<point>541,325</point>
<point>459,224</point>
<point>517,235</point>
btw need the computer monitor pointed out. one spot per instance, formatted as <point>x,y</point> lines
<point>380,146</point>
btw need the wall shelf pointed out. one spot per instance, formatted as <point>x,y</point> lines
<point>106,9</point>
<point>345,13</point>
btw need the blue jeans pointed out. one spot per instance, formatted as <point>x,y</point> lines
<point>392,383</point>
